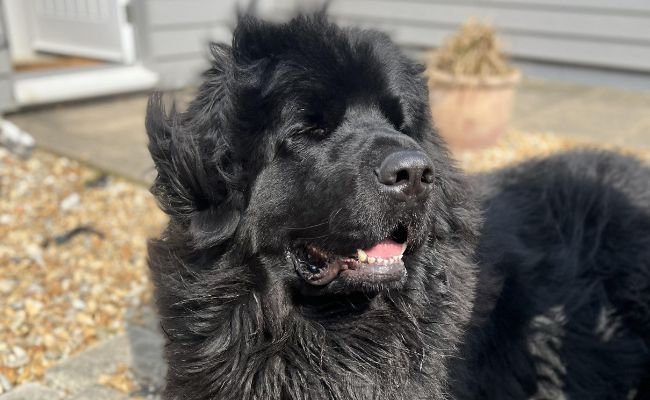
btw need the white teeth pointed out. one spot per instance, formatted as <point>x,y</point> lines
<point>363,257</point>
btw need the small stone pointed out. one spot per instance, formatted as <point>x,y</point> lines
<point>19,319</point>
<point>17,358</point>
<point>15,139</point>
<point>33,307</point>
<point>35,288</point>
<point>70,202</point>
<point>78,304</point>
<point>5,385</point>
<point>35,253</point>
<point>7,285</point>
<point>49,180</point>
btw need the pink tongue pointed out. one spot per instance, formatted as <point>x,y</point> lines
<point>385,249</point>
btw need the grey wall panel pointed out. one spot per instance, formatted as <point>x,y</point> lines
<point>170,43</point>
<point>591,33</point>
<point>5,62</point>
<point>181,72</point>
<point>190,12</point>
<point>587,5</point>
<point>3,38</point>
<point>596,33</point>
<point>586,76</point>
<point>6,101</point>
<point>632,56</point>
<point>175,34</point>
<point>6,86</point>
<point>506,18</point>
<point>628,56</point>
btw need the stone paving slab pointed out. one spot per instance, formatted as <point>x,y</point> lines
<point>139,349</point>
<point>106,133</point>
<point>78,372</point>
<point>97,392</point>
<point>33,391</point>
<point>601,115</point>
<point>147,361</point>
<point>534,96</point>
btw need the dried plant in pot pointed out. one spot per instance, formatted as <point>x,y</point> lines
<point>471,87</point>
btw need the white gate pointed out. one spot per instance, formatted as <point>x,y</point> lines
<point>88,28</point>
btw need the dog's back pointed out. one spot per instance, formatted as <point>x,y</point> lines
<point>567,239</point>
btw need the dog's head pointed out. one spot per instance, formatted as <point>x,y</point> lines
<point>311,147</point>
<point>319,241</point>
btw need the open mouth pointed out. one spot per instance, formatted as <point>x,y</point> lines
<point>379,263</point>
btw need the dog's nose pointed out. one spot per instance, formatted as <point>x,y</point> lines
<point>407,174</point>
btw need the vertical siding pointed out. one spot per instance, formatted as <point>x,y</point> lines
<point>571,34</point>
<point>176,34</point>
<point>595,33</point>
<point>3,39</point>
<point>5,68</point>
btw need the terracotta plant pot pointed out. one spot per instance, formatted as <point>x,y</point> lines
<point>471,112</point>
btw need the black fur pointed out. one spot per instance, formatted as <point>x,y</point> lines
<point>278,150</point>
<point>565,253</point>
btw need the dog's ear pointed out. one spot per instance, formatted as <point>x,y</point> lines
<point>192,181</point>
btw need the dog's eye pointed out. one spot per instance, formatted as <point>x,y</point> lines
<point>315,131</point>
<point>318,131</point>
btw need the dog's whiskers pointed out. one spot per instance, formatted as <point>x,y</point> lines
<point>313,237</point>
<point>289,228</point>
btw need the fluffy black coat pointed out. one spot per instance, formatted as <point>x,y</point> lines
<point>548,294</point>
<point>566,313</point>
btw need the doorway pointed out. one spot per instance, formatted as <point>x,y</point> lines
<point>60,33</point>
<point>71,49</point>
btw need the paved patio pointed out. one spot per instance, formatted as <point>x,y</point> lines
<point>109,133</point>
<point>597,114</point>
<point>92,374</point>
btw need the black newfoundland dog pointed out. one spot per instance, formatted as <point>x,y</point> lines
<point>322,244</point>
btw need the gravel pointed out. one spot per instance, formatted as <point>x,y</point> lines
<point>57,297</point>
